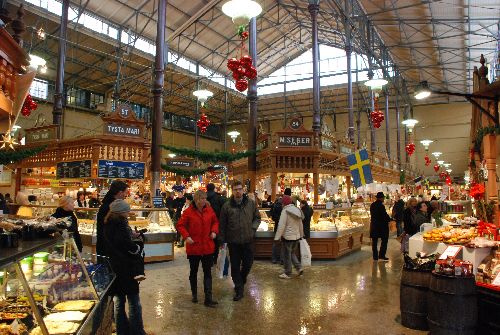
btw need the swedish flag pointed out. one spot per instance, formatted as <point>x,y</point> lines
<point>359,164</point>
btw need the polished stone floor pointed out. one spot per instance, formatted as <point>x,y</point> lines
<point>352,295</point>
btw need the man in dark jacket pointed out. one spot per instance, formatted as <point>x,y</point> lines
<point>397,214</point>
<point>239,219</point>
<point>379,227</point>
<point>306,221</point>
<point>216,202</point>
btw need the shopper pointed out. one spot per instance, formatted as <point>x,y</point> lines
<point>25,208</point>
<point>216,202</point>
<point>80,200</point>
<point>117,190</point>
<point>3,205</point>
<point>290,231</point>
<point>397,214</point>
<point>409,217</point>
<point>308,213</point>
<point>178,205</point>
<point>8,199</point>
<point>421,216</point>
<point>277,252</point>
<point>65,210</point>
<point>379,227</point>
<point>199,227</point>
<point>94,200</point>
<point>189,200</point>
<point>239,220</point>
<point>124,256</point>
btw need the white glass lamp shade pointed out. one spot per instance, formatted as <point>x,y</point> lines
<point>234,135</point>
<point>241,11</point>
<point>410,124</point>
<point>447,165</point>
<point>376,84</point>
<point>440,162</point>
<point>36,61</point>
<point>426,144</point>
<point>449,170</point>
<point>202,96</point>
<point>437,154</point>
<point>422,91</point>
<point>171,155</point>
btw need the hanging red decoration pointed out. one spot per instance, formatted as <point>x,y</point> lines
<point>376,116</point>
<point>242,32</point>
<point>448,180</point>
<point>427,160</point>
<point>410,148</point>
<point>306,177</point>
<point>443,175</point>
<point>477,191</point>
<point>203,123</point>
<point>282,183</point>
<point>233,64</point>
<point>28,106</point>
<point>242,69</point>
<point>241,85</point>
<point>251,73</point>
<point>436,167</point>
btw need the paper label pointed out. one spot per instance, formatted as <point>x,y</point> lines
<point>451,250</point>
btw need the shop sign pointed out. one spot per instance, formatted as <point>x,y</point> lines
<point>326,144</point>
<point>180,163</point>
<point>345,150</point>
<point>295,141</point>
<point>119,169</point>
<point>264,144</point>
<point>122,129</point>
<point>40,135</point>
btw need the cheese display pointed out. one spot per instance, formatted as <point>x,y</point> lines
<point>451,235</point>
<point>75,305</point>
<point>60,327</point>
<point>334,224</point>
<point>65,316</point>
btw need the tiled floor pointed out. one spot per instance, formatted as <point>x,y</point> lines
<point>352,295</point>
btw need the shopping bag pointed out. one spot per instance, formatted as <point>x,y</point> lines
<point>405,243</point>
<point>221,259</point>
<point>392,226</point>
<point>305,253</point>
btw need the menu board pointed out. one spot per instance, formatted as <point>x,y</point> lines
<point>121,170</point>
<point>158,202</point>
<point>77,169</point>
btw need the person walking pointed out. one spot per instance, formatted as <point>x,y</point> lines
<point>216,202</point>
<point>291,230</point>
<point>308,213</point>
<point>65,209</point>
<point>397,214</point>
<point>117,190</point>
<point>239,220</point>
<point>379,227</point>
<point>199,227</point>
<point>277,252</point>
<point>124,255</point>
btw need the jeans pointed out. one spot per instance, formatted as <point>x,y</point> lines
<point>206,264</point>
<point>241,257</point>
<point>277,252</point>
<point>290,248</point>
<point>383,247</point>
<point>131,325</point>
<point>399,227</point>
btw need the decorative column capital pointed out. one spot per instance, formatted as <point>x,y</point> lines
<point>313,9</point>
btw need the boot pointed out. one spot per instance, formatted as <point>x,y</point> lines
<point>194,289</point>
<point>238,293</point>
<point>207,283</point>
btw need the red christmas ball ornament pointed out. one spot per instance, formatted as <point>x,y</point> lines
<point>410,148</point>
<point>233,64</point>
<point>244,35</point>
<point>427,160</point>
<point>448,180</point>
<point>436,167</point>
<point>25,111</point>
<point>251,72</point>
<point>246,61</point>
<point>241,85</point>
<point>241,71</point>
<point>236,76</point>
<point>377,117</point>
<point>203,123</point>
<point>28,106</point>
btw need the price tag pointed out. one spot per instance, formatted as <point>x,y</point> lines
<point>451,250</point>
<point>496,281</point>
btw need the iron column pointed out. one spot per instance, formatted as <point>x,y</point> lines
<point>159,76</point>
<point>387,132</point>
<point>252,98</point>
<point>314,9</point>
<point>348,52</point>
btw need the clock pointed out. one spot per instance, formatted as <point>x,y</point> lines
<point>295,123</point>
<point>124,110</point>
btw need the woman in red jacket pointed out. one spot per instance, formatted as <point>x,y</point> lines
<point>199,226</point>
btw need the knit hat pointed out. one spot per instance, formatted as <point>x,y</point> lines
<point>380,195</point>
<point>119,206</point>
<point>286,200</point>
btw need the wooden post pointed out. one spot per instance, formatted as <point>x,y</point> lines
<point>348,183</point>
<point>316,184</point>
<point>274,180</point>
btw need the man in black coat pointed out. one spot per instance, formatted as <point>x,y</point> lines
<point>379,227</point>
<point>216,202</point>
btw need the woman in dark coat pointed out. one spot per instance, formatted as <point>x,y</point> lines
<point>409,217</point>
<point>117,190</point>
<point>379,227</point>
<point>65,209</point>
<point>308,212</point>
<point>421,217</point>
<point>123,254</point>
<point>199,226</point>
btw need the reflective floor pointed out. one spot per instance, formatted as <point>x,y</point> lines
<point>352,295</point>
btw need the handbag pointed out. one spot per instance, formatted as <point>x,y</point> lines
<point>305,253</point>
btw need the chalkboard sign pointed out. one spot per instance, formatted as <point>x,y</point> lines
<point>77,169</point>
<point>158,202</point>
<point>121,170</point>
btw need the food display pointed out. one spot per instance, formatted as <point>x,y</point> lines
<point>451,235</point>
<point>65,316</point>
<point>56,328</point>
<point>340,223</point>
<point>454,218</point>
<point>453,267</point>
<point>489,269</point>
<point>74,305</point>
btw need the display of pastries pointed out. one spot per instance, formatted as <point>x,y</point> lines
<point>75,305</point>
<point>61,327</point>
<point>451,235</point>
<point>65,316</point>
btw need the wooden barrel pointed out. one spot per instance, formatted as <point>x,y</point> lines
<point>413,298</point>
<point>452,305</point>
<point>488,301</point>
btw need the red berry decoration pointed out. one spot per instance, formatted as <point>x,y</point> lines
<point>203,123</point>
<point>448,180</point>
<point>427,160</point>
<point>410,148</point>
<point>377,117</point>
<point>251,73</point>
<point>233,64</point>
<point>436,167</point>
<point>236,76</point>
<point>246,61</point>
<point>28,106</point>
<point>241,85</point>
<point>241,71</point>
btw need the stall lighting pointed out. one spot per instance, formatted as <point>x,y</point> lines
<point>422,91</point>
<point>426,144</point>
<point>202,96</point>
<point>241,11</point>
<point>437,154</point>
<point>449,170</point>
<point>36,61</point>
<point>234,135</point>
<point>16,127</point>
<point>376,84</point>
<point>446,165</point>
<point>440,162</point>
<point>41,34</point>
<point>171,155</point>
<point>410,123</point>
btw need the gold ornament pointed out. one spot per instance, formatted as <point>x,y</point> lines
<point>8,141</point>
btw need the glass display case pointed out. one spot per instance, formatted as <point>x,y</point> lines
<point>454,211</point>
<point>47,287</point>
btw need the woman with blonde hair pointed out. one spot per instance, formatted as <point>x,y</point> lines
<point>65,209</point>
<point>199,226</point>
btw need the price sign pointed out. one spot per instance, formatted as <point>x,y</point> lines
<point>451,250</point>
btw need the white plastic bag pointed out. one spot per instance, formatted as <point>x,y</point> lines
<point>222,260</point>
<point>305,253</point>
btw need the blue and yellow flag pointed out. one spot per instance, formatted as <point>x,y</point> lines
<point>359,164</point>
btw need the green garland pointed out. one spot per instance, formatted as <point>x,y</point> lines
<point>481,133</point>
<point>184,172</point>
<point>10,157</point>
<point>209,157</point>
